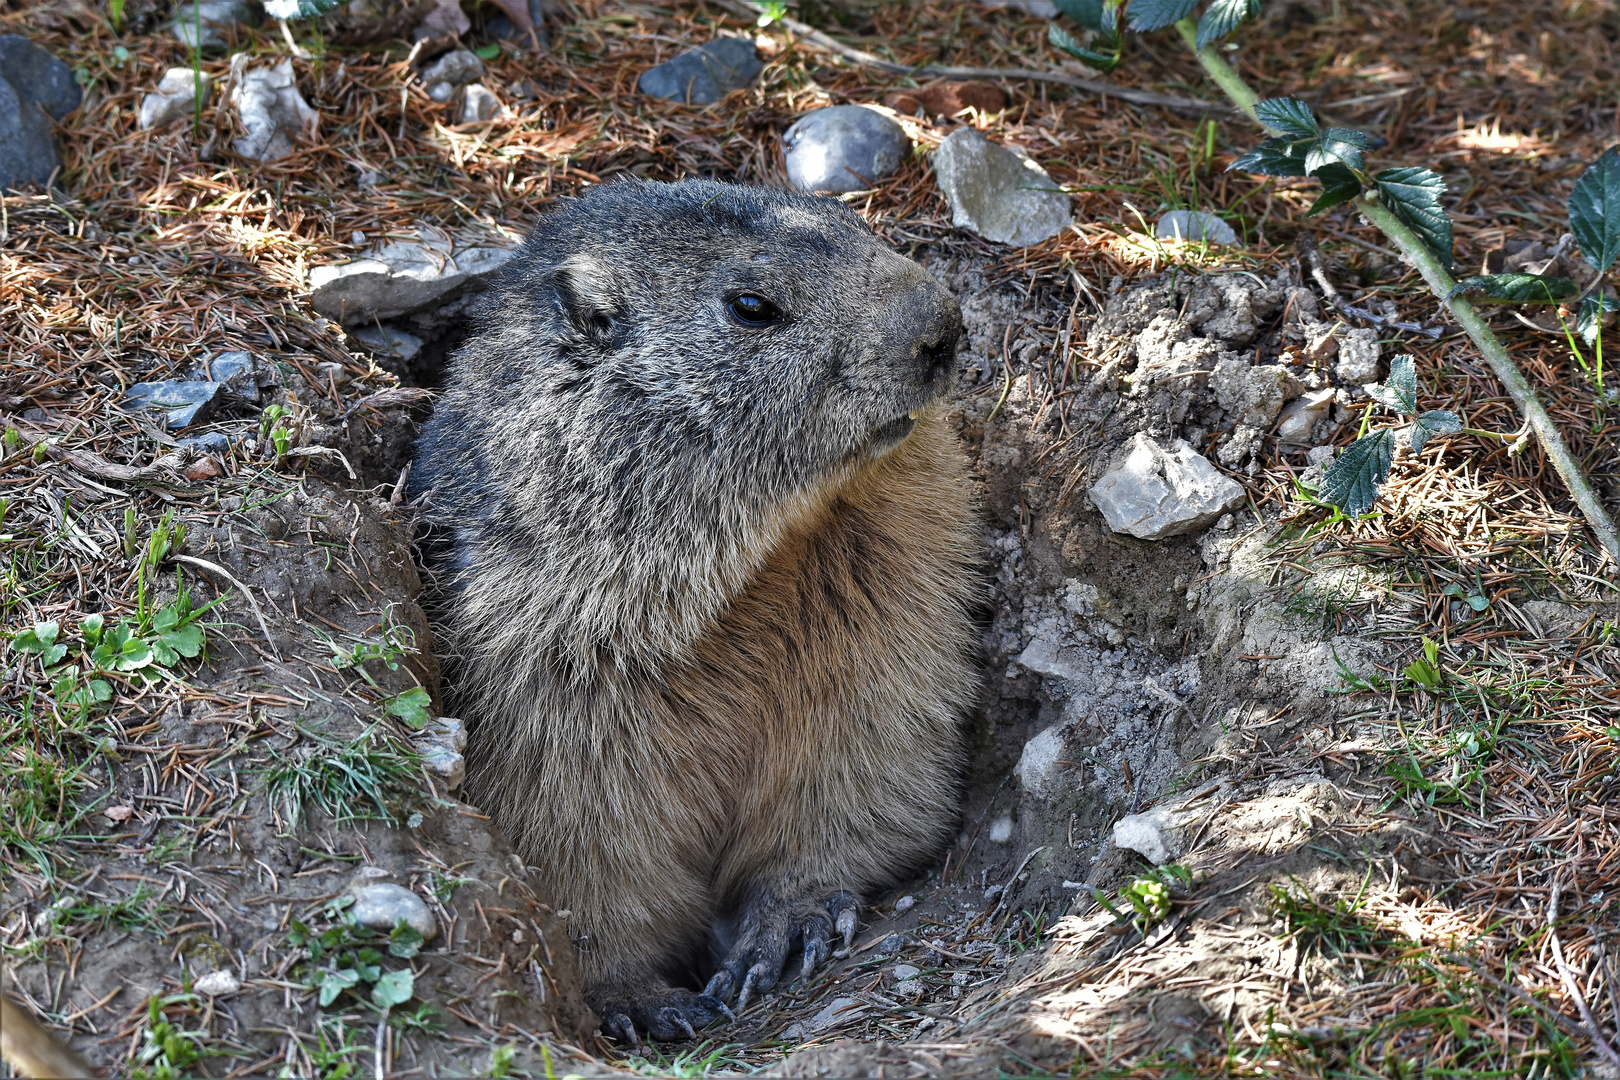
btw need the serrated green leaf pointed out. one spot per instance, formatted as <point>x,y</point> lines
<point>1339,185</point>
<point>1154,14</point>
<point>1288,116</point>
<point>1274,157</point>
<point>394,988</point>
<point>300,9</point>
<point>1515,288</point>
<point>1432,423</point>
<point>1339,147</point>
<point>403,941</point>
<point>1351,482</point>
<point>1589,316</point>
<point>1413,195</point>
<point>1594,210</point>
<point>1222,17</point>
<point>1400,391</point>
<point>1088,13</point>
<point>414,707</point>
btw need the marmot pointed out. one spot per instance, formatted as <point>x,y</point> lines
<point>708,571</point>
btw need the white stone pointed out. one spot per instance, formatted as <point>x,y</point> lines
<point>1153,834</point>
<point>458,67</point>
<point>902,972</point>
<point>1195,227</point>
<point>999,192</point>
<point>1357,361</point>
<point>272,111</point>
<point>401,278</point>
<point>217,984</point>
<point>909,989</point>
<point>383,906</point>
<point>905,903</point>
<point>175,97</point>
<point>1320,455</point>
<point>1157,492</point>
<point>837,1012</point>
<point>479,103</point>
<point>843,148</point>
<point>440,743</point>
<point>1038,765</point>
<point>1300,416</point>
<point>209,17</point>
<point>1001,830</point>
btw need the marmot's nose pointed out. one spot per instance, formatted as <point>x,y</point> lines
<point>936,357</point>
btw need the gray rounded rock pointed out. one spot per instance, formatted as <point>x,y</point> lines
<point>1194,226</point>
<point>843,148</point>
<point>35,88</point>
<point>382,906</point>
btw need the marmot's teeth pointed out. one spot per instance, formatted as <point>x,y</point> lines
<point>914,414</point>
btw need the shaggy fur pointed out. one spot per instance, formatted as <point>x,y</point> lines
<point>708,583</point>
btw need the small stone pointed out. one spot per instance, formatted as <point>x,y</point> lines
<point>241,374</point>
<point>999,192</point>
<point>902,972</point>
<point>908,989</point>
<point>1155,835</point>
<point>210,17</point>
<point>457,67</point>
<point>703,75</point>
<point>1300,417</point>
<point>837,1012</point>
<point>217,984</point>
<point>445,764</point>
<point>1038,766</point>
<point>186,402</point>
<point>891,945</point>
<point>369,178</point>
<point>441,91</point>
<point>843,148</point>
<point>176,97</point>
<point>388,342</point>
<point>1251,394</point>
<point>1194,227</point>
<point>478,104</point>
<point>905,903</point>
<point>383,906</point>
<point>948,98</point>
<point>272,111</point>
<point>449,730</point>
<point>1320,455</point>
<point>1156,492</point>
<point>357,238</point>
<point>35,89</point>
<point>204,468</point>
<point>403,277</point>
<point>1001,830</point>
<point>1357,361</point>
<point>212,442</point>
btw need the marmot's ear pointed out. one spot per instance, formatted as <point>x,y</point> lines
<point>588,298</point>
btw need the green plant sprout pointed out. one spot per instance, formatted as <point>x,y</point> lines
<point>1404,203</point>
<point>1147,898</point>
<point>273,431</point>
<point>347,957</point>
<point>1425,671</point>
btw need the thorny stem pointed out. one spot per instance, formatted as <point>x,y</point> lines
<point>1441,282</point>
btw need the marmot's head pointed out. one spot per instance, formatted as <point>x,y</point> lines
<point>773,324</point>
<point>671,376</point>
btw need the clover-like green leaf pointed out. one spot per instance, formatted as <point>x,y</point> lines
<point>91,628</point>
<point>414,707</point>
<point>334,981</point>
<point>1351,482</point>
<point>41,640</point>
<point>1515,288</point>
<point>1594,210</point>
<point>1432,423</point>
<point>1413,195</point>
<point>403,941</point>
<point>1222,17</point>
<point>1589,316</point>
<point>394,988</point>
<point>1274,157</point>
<point>1154,14</point>
<point>1288,116</point>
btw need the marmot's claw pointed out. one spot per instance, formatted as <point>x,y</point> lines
<point>663,1015</point>
<point>719,986</point>
<point>620,1027</point>
<point>845,909</point>
<point>673,1016</point>
<point>816,932</point>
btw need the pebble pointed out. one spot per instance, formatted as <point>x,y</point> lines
<point>29,77</point>
<point>1157,492</point>
<point>357,238</point>
<point>458,67</point>
<point>186,402</point>
<point>441,743</point>
<point>902,972</point>
<point>1038,765</point>
<point>838,1012</point>
<point>843,148</point>
<point>272,111</point>
<point>905,903</point>
<point>212,442</point>
<point>210,16</point>
<point>1194,227</point>
<point>1154,834</point>
<point>478,104</point>
<point>1357,361</point>
<point>999,192</point>
<point>175,97</point>
<point>404,277</point>
<point>241,374</point>
<point>382,906</point>
<point>388,342</point>
<point>891,945</point>
<point>217,984</point>
<point>703,75</point>
<point>1299,418</point>
<point>1001,830</point>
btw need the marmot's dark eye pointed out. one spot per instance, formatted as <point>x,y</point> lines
<point>751,310</point>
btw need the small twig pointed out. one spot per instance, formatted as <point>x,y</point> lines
<point>810,35</point>
<point>1307,246</point>
<point>1568,978</point>
<point>254,604</point>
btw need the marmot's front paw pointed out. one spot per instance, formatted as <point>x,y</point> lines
<point>772,927</point>
<point>663,1015</point>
